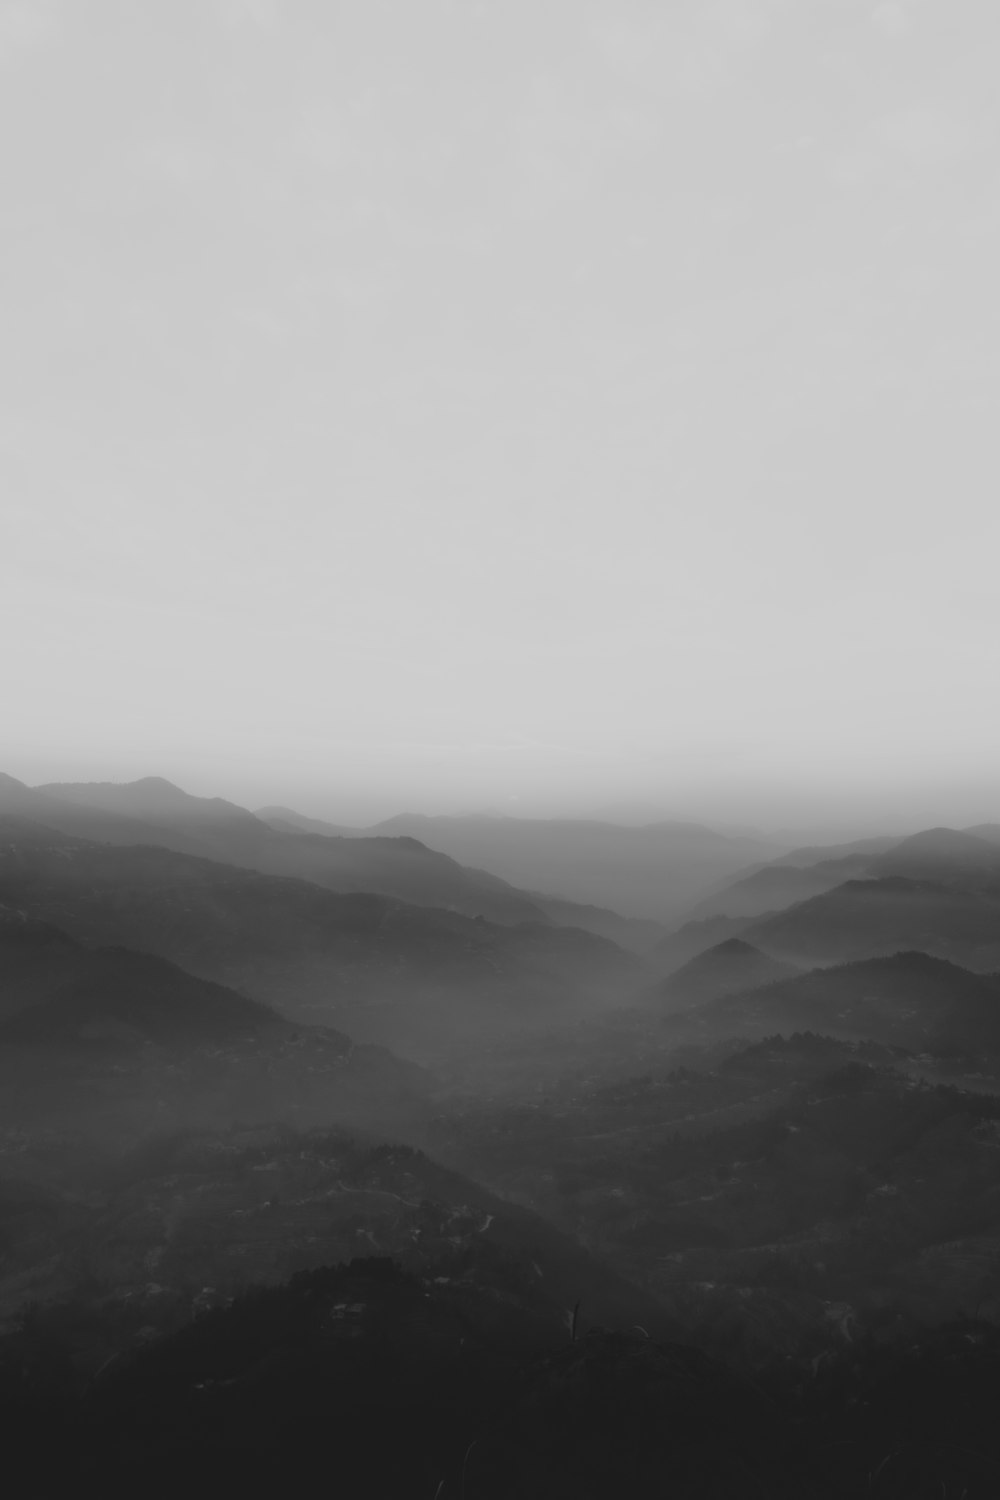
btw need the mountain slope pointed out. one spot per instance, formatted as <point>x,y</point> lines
<point>866,918</point>
<point>287,820</point>
<point>108,1043</point>
<point>154,811</point>
<point>909,1000</point>
<point>692,938</point>
<point>653,872</point>
<point>774,888</point>
<point>730,966</point>
<point>632,933</point>
<point>382,970</point>
<point>943,856</point>
<point>58,990</point>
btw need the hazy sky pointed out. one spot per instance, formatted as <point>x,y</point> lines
<point>445,402</point>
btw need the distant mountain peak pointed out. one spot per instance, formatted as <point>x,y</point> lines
<point>735,947</point>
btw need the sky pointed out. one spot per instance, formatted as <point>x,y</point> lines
<point>517,404</point>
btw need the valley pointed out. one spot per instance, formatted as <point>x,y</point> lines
<point>773,1150</point>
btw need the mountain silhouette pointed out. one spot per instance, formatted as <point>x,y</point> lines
<point>383,970</point>
<point>943,855</point>
<point>154,811</point>
<point>908,1000</point>
<point>730,966</point>
<point>653,872</point>
<point>867,918</point>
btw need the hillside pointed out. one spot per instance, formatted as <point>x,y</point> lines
<point>730,966</point>
<point>400,1384</point>
<point>867,918</point>
<point>106,1043</point>
<point>415,978</point>
<point>772,889</point>
<point>692,938</point>
<point>908,1000</point>
<point>943,856</point>
<point>653,872</point>
<point>154,811</point>
<point>461,1369</point>
<point>59,991</point>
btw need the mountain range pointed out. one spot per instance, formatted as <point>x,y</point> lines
<point>109,1042</point>
<point>653,871</point>
<point>280,841</point>
<point>969,858</point>
<point>411,977</point>
<point>908,1000</point>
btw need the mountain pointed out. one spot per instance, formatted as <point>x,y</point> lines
<point>942,855</point>
<point>773,888</point>
<point>908,1000</point>
<point>692,938</point>
<point>653,872</point>
<point>635,934</point>
<point>478,1362</point>
<point>988,831</point>
<point>287,820</point>
<point>815,854</point>
<point>118,1042</point>
<point>154,811</point>
<point>408,976</point>
<point>729,967</point>
<point>632,933</point>
<point>56,990</point>
<point>867,918</point>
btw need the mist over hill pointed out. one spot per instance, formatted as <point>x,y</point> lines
<point>943,855</point>
<point>421,979</point>
<point>909,1000</point>
<point>237,1051</point>
<point>650,871</point>
<point>153,811</point>
<point>729,966</point>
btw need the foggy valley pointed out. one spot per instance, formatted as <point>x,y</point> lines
<point>290,1117</point>
<point>499,771</point>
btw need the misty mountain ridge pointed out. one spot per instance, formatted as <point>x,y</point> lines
<point>154,811</point>
<point>879,916</point>
<point>104,1046</point>
<point>287,820</point>
<point>694,937</point>
<point>775,887</point>
<point>57,990</point>
<point>909,1000</point>
<point>732,965</point>
<point>653,872</point>
<point>941,855</point>
<point>385,971</point>
<point>282,842</point>
<point>633,933</point>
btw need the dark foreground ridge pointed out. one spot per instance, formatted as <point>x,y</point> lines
<point>365,1381</point>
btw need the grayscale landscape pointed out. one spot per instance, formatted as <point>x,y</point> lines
<point>499,750</point>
